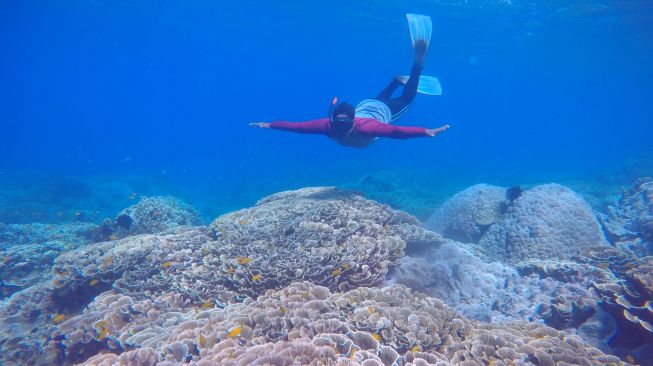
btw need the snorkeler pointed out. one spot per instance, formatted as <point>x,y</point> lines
<point>371,119</point>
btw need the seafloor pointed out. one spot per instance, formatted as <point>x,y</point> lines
<point>544,274</point>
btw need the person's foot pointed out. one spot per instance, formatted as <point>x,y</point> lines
<point>420,49</point>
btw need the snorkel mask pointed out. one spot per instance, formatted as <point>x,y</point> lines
<point>341,117</point>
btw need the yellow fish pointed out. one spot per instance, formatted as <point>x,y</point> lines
<point>346,266</point>
<point>94,282</point>
<point>376,336</point>
<point>58,318</point>
<point>166,264</point>
<point>257,277</point>
<point>235,332</point>
<point>282,309</point>
<point>353,354</point>
<point>207,304</point>
<point>201,340</point>
<point>371,310</point>
<point>416,348</point>
<point>102,329</point>
<point>243,260</point>
<point>336,272</point>
<point>230,270</point>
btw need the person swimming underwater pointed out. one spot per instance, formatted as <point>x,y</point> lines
<point>371,118</point>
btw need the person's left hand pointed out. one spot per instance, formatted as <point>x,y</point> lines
<point>434,131</point>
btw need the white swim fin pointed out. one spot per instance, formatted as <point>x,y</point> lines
<point>420,28</point>
<point>428,85</point>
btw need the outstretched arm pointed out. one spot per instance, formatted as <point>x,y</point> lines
<point>318,126</point>
<point>380,129</point>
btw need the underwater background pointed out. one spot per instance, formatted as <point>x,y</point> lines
<point>106,103</point>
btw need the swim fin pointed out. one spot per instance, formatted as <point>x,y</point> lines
<point>428,85</point>
<point>420,28</point>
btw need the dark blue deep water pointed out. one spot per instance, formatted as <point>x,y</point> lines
<point>162,92</point>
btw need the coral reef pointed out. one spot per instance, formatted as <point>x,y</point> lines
<point>547,221</point>
<point>150,215</point>
<point>467,215</point>
<point>627,297</point>
<point>629,224</point>
<point>28,251</point>
<point>306,324</point>
<point>334,238</point>
<point>552,291</point>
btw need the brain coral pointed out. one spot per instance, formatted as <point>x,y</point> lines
<point>307,324</point>
<point>547,221</point>
<point>467,215</point>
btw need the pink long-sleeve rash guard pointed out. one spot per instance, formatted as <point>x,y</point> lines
<point>364,127</point>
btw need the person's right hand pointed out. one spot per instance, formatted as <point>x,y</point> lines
<point>260,124</point>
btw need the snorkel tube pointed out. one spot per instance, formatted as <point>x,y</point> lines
<point>332,107</point>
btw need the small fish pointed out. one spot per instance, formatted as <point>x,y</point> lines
<point>235,332</point>
<point>282,309</point>
<point>376,336</point>
<point>353,354</point>
<point>646,325</point>
<point>416,348</point>
<point>346,266</point>
<point>94,282</point>
<point>623,302</point>
<point>102,328</point>
<point>207,304</point>
<point>243,260</point>
<point>371,310</point>
<point>113,237</point>
<point>166,264</point>
<point>257,277</point>
<point>630,317</point>
<point>201,340</point>
<point>230,270</point>
<point>336,272</point>
<point>58,318</point>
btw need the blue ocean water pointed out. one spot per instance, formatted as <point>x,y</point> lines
<point>534,91</point>
<point>105,102</point>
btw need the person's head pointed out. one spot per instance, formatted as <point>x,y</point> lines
<point>342,118</point>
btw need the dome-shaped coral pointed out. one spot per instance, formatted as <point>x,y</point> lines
<point>548,221</point>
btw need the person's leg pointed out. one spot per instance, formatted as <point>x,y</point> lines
<point>399,106</point>
<point>386,93</point>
